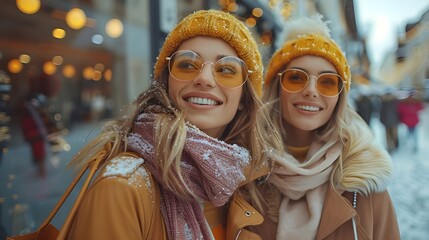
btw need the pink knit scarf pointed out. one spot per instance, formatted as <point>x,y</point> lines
<point>212,170</point>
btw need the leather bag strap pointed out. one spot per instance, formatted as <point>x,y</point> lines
<point>92,165</point>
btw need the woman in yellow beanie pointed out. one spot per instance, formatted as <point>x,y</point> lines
<point>193,138</point>
<point>331,181</point>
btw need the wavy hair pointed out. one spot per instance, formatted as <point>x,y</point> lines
<point>250,128</point>
<point>358,146</point>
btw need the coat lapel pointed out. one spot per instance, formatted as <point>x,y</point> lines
<point>336,211</point>
<point>240,215</point>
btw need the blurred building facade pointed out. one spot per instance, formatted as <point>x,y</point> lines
<point>92,57</point>
<point>407,67</point>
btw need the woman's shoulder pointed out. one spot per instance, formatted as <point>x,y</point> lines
<point>124,189</point>
<point>124,165</point>
<point>131,171</point>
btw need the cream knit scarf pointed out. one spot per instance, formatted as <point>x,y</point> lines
<point>303,186</point>
<point>212,170</point>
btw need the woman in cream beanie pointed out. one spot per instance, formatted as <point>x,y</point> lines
<point>191,140</point>
<point>331,182</point>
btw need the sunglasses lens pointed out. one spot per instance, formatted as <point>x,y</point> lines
<point>185,65</point>
<point>329,84</point>
<point>294,80</point>
<point>230,72</point>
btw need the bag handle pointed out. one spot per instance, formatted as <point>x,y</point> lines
<point>93,165</point>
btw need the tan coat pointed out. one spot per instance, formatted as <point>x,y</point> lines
<point>125,204</point>
<point>375,217</point>
<point>374,214</point>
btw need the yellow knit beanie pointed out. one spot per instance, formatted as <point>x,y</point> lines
<point>218,24</point>
<point>308,36</point>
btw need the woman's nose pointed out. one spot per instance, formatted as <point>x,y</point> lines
<point>311,88</point>
<point>206,77</point>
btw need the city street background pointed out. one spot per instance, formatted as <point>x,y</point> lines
<point>79,63</point>
<point>27,199</point>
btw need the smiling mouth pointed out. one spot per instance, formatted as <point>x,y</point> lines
<point>202,101</point>
<point>308,108</point>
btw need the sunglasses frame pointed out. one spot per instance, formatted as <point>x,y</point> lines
<point>248,71</point>
<point>308,80</point>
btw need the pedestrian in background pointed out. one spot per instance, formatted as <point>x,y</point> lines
<point>408,111</point>
<point>181,154</point>
<point>390,119</point>
<point>36,124</point>
<point>364,106</point>
<point>331,182</point>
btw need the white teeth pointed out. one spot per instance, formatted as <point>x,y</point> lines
<point>308,108</point>
<point>202,101</point>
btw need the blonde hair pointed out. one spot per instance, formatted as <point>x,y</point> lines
<point>310,36</point>
<point>350,129</point>
<point>249,128</point>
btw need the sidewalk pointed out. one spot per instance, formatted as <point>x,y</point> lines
<point>25,198</point>
<point>409,188</point>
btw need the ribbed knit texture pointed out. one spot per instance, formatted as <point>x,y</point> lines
<point>212,170</point>
<point>218,24</point>
<point>308,36</point>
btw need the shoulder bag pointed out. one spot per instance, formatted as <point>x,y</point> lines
<point>47,231</point>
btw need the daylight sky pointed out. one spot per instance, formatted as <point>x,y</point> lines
<point>381,21</point>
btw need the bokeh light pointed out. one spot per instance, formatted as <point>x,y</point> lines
<point>99,67</point>
<point>114,28</point>
<point>257,12</point>
<point>14,66</point>
<point>251,22</point>
<point>88,72</point>
<point>232,7</point>
<point>108,74</point>
<point>69,71</point>
<point>57,60</point>
<point>24,58</point>
<point>96,76</point>
<point>58,33</point>
<point>28,6</point>
<point>97,39</point>
<point>76,18</point>
<point>49,68</point>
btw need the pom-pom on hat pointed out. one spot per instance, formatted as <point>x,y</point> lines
<point>218,24</point>
<point>308,36</point>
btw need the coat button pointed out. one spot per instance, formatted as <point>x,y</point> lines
<point>247,213</point>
